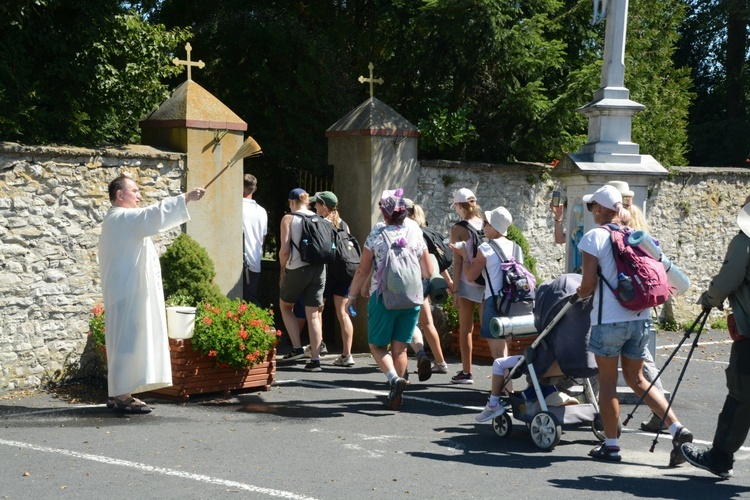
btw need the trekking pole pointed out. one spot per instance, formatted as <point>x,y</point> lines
<point>701,317</point>
<point>682,373</point>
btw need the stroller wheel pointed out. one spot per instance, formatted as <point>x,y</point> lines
<point>545,430</point>
<point>502,425</point>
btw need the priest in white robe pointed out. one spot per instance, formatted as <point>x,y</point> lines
<point>136,324</point>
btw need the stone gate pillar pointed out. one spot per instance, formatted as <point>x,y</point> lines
<point>372,148</point>
<point>194,122</point>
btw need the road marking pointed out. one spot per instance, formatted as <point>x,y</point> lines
<point>688,344</point>
<point>159,470</point>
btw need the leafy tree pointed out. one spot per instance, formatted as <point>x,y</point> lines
<point>81,72</point>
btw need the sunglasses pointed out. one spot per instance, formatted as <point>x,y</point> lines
<point>590,205</point>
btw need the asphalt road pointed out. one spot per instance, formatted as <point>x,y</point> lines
<point>327,435</point>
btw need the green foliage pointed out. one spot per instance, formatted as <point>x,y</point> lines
<point>81,72</point>
<point>179,299</point>
<point>719,324</point>
<point>97,328</point>
<point>234,333</point>
<point>444,130</point>
<point>187,270</point>
<point>669,325</point>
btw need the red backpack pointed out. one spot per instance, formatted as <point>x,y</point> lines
<point>641,280</point>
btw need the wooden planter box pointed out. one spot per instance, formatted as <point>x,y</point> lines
<point>481,350</point>
<point>194,373</point>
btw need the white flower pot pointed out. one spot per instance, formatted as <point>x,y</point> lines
<point>180,322</point>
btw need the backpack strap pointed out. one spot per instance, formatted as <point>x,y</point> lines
<point>611,227</point>
<point>290,232</point>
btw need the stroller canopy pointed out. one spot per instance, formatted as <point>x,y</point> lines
<point>567,342</point>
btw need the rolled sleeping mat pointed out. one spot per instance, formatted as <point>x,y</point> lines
<point>502,326</point>
<point>677,279</point>
<point>438,285</point>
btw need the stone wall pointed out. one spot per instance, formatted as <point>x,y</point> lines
<point>52,202</point>
<point>692,213</point>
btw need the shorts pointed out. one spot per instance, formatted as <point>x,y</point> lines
<point>335,287</point>
<point>629,338</point>
<point>386,325</point>
<point>309,281</point>
<point>474,293</point>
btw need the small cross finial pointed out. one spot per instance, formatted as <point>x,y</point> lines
<point>371,80</point>
<point>188,62</point>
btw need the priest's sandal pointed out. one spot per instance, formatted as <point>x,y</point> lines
<point>131,406</point>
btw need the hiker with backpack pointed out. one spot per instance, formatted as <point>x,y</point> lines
<point>398,255</point>
<point>338,279</point>
<point>500,260</point>
<point>466,293</point>
<point>637,222</point>
<point>299,277</point>
<point>619,333</point>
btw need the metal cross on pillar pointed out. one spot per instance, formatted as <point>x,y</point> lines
<point>372,80</point>
<point>188,62</point>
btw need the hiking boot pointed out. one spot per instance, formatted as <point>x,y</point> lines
<point>682,436</point>
<point>701,457</point>
<point>491,412</point>
<point>294,355</point>
<point>344,360</point>
<point>322,351</point>
<point>440,367</point>
<point>652,424</point>
<point>395,397</point>
<point>462,378</point>
<point>313,366</point>
<point>424,368</point>
<point>609,453</point>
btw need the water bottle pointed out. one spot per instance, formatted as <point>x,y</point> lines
<point>352,311</point>
<point>625,289</point>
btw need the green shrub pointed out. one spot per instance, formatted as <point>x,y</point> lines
<point>187,270</point>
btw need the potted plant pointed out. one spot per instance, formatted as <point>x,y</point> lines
<point>234,334</point>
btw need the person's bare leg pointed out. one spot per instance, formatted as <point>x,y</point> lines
<point>465,327</point>
<point>290,322</point>
<point>345,322</point>
<point>609,405</point>
<point>430,332</point>
<point>314,329</point>
<point>632,372</point>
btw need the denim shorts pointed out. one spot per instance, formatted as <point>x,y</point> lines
<point>629,338</point>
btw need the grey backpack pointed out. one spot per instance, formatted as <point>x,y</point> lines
<point>400,275</point>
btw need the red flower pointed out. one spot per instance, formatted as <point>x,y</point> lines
<point>242,308</point>
<point>250,357</point>
<point>208,320</point>
<point>211,354</point>
<point>243,334</point>
<point>98,310</point>
<point>278,333</point>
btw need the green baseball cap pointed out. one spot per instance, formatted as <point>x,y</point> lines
<point>325,197</point>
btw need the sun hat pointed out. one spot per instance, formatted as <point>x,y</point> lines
<point>463,195</point>
<point>409,203</point>
<point>500,219</point>
<point>295,193</point>
<point>607,196</point>
<point>622,187</point>
<point>558,398</point>
<point>743,219</point>
<point>392,201</point>
<point>327,198</point>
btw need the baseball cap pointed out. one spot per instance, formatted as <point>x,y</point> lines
<point>500,219</point>
<point>295,193</point>
<point>607,196</point>
<point>327,198</point>
<point>463,195</point>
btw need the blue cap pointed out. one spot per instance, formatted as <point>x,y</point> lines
<point>295,193</point>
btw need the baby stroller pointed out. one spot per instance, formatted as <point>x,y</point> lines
<point>560,350</point>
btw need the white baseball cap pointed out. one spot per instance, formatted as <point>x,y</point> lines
<point>463,195</point>
<point>607,196</point>
<point>500,219</point>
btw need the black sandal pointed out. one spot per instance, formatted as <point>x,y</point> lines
<point>131,406</point>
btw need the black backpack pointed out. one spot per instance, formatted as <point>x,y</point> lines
<point>477,237</point>
<point>348,255</point>
<point>317,242</point>
<point>437,247</point>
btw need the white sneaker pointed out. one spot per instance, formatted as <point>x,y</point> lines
<point>439,367</point>
<point>344,361</point>
<point>322,351</point>
<point>491,412</point>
